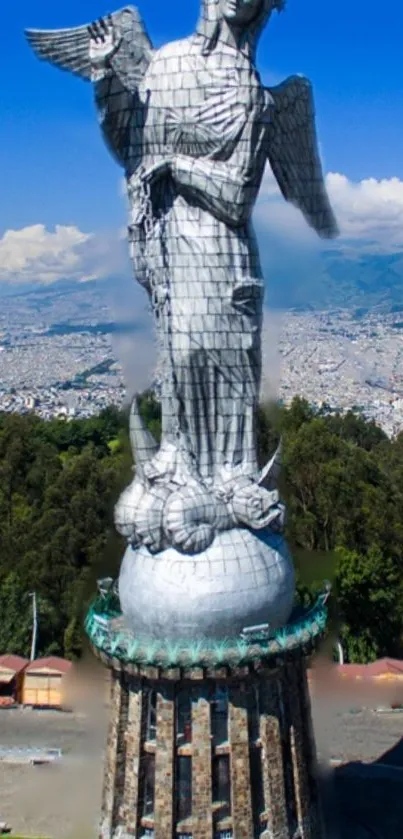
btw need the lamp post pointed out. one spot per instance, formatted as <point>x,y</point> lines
<point>34,624</point>
<point>340,651</point>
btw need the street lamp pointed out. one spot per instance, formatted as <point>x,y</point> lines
<point>34,624</point>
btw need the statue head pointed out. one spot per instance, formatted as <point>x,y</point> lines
<point>249,16</point>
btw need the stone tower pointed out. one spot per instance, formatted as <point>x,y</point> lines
<point>209,742</point>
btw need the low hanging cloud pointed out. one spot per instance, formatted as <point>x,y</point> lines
<point>369,213</point>
<point>369,210</point>
<point>37,255</point>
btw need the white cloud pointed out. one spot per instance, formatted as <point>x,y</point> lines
<point>37,255</point>
<point>370,210</point>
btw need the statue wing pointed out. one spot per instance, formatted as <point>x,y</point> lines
<point>69,49</point>
<point>117,78</point>
<point>294,155</point>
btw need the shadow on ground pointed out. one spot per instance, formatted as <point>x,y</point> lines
<point>365,800</point>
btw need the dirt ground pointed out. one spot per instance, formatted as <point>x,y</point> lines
<point>56,800</point>
<point>63,801</point>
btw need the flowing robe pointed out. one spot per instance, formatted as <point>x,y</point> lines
<point>207,113</point>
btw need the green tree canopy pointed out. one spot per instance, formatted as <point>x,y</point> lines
<point>342,483</point>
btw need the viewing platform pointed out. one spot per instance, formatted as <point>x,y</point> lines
<point>114,643</point>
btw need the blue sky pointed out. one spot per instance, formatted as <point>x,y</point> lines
<point>54,169</point>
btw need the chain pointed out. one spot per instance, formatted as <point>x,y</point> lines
<point>159,287</point>
<point>146,214</point>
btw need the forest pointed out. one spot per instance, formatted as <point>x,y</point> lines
<point>342,483</point>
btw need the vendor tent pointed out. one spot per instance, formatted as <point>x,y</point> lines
<point>43,682</point>
<point>11,678</point>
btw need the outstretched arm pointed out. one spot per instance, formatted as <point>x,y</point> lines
<point>119,45</point>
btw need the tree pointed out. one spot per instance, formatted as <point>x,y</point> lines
<point>355,429</point>
<point>58,485</point>
<point>342,483</point>
<point>73,638</point>
<point>369,598</point>
<point>16,616</point>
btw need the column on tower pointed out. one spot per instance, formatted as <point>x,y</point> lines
<point>211,752</point>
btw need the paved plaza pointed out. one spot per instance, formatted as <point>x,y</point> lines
<point>63,800</point>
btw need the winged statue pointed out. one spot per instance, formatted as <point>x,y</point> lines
<point>193,127</point>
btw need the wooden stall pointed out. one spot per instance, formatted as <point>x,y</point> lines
<point>43,682</point>
<point>12,669</point>
<point>378,684</point>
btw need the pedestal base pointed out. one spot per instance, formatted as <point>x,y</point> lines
<point>224,758</point>
<point>243,579</point>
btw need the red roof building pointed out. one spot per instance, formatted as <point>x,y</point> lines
<point>375,684</point>
<point>14,663</point>
<point>12,668</point>
<point>386,668</point>
<point>50,663</point>
<point>43,682</point>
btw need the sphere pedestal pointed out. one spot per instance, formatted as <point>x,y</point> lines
<point>243,579</point>
<point>210,750</point>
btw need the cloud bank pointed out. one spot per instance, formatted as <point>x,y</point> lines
<point>369,210</point>
<point>35,255</point>
<point>369,213</point>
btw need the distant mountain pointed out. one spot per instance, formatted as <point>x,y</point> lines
<point>296,278</point>
<point>371,280</point>
<point>336,278</point>
<point>52,290</point>
<point>114,306</point>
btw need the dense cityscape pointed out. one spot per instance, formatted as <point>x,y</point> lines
<point>59,358</point>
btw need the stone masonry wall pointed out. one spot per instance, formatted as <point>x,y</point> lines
<point>240,768</point>
<point>128,812</point>
<point>268,718</point>
<point>202,817</point>
<point>164,811</point>
<point>110,794</point>
<point>272,760</point>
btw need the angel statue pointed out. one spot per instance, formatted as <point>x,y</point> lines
<point>192,126</point>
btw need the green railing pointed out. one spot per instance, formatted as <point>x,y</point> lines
<point>112,638</point>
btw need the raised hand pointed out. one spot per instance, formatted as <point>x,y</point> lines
<point>104,40</point>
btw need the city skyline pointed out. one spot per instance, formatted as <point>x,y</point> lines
<point>62,355</point>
